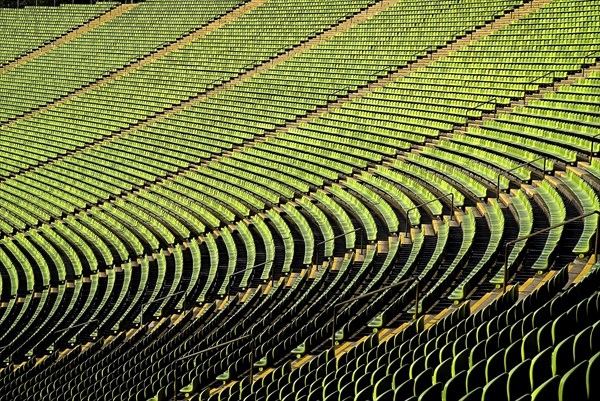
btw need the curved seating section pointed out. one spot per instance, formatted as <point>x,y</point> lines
<point>33,27</point>
<point>144,226</point>
<point>213,223</point>
<point>148,239</point>
<point>587,199</point>
<point>115,44</point>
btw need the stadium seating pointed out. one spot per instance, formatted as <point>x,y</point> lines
<point>162,234</point>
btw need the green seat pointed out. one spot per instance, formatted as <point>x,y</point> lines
<point>591,378</point>
<point>387,396</point>
<point>595,338</point>
<point>516,330</point>
<point>443,372</point>
<point>562,327</point>
<point>474,395</point>
<point>417,367</point>
<point>405,390</point>
<point>433,393</point>
<point>562,356</point>
<point>548,391</point>
<point>582,345</point>
<point>383,385</point>
<point>477,353</point>
<point>363,382</point>
<point>432,359</point>
<point>495,390</point>
<point>365,394</point>
<point>379,373</point>
<point>541,368</point>
<point>346,391</point>
<point>512,355</point>
<point>423,381</point>
<point>400,375</point>
<point>518,380</point>
<point>491,345</point>
<point>494,365</point>
<point>573,382</point>
<point>460,362</point>
<point>456,387</point>
<point>476,376</point>
<point>529,347</point>
<point>544,337</point>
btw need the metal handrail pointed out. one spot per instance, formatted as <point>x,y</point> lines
<point>376,73</point>
<point>529,163</point>
<point>545,230</point>
<point>592,142</point>
<point>254,267</point>
<point>478,105</point>
<point>218,346</point>
<point>590,53</point>
<point>251,268</point>
<point>448,195</point>
<point>345,88</point>
<point>452,36</point>
<point>368,295</point>
<point>97,321</point>
<point>317,245</point>
<point>145,304</point>
<point>415,54</point>
<point>537,79</point>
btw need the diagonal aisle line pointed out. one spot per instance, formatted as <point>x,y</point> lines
<point>96,22</point>
<point>348,23</point>
<point>218,23</point>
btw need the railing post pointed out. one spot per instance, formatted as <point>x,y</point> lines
<point>547,229</point>
<point>417,300</point>
<point>505,278</point>
<point>336,306</point>
<point>195,354</point>
<point>144,305</point>
<point>332,239</point>
<point>516,168</point>
<point>448,195</point>
<point>252,348</point>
